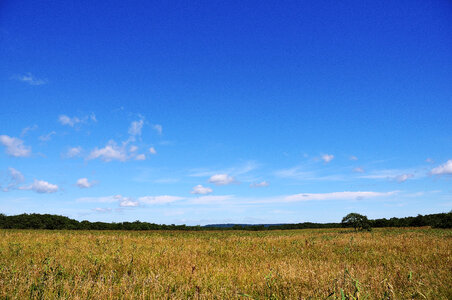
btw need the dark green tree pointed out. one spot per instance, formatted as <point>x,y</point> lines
<point>357,221</point>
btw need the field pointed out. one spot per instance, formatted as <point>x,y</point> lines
<point>401,263</point>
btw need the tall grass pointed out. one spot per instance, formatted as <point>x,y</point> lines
<point>294,264</point>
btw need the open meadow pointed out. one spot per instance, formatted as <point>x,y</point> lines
<point>403,263</point>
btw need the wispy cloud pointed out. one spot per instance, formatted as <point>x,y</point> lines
<point>73,121</point>
<point>399,175</point>
<point>235,201</point>
<point>211,199</point>
<point>119,199</point>
<point>152,151</point>
<point>404,177</point>
<point>302,197</point>
<point>237,170</point>
<point>65,120</point>
<point>336,196</point>
<point>358,170</point>
<point>327,158</point>
<point>333,196</point>
<point>166,180</point>
<point>73,152</point>
<point>159,199</point>
<point>301,174</point>
<point>47,137</point>
<point>103,199</point>
<point>167,143</point>
<point>15,179</point>
<point>102,210</point>
<point>28,129</point>
<point>158,128</point>
<point>14,146</point>
<point>259,184</point>
<point>30,79</point>
<point>136,127</point>
<point>294,172</point>
<point>140,157</point>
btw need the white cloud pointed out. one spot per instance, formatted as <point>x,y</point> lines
<point>404,177</point>
<point>353,157</point>
<point>238,170</point>
<point>158,128</point>
<point>167,143</point>
<point>16,175</point>
<point>73,152</point>
<point>201,190</point>
<point>327,157</point>
<point>91,117</point>
<point>110,152</point>
<point>429,160</point>
<point>135,127</point>
<point>15,178</point>
<point>298,173</point>
<point>159,199</point>
<point>83,183</point>
<point>335,196</point>
<point>140,157</point>
<point>443,169</point>
<point>259,184</point>
<point>221,179</point>
<point>294,172</point>
<point>47,137</point>
<point>102,210</point>
<point>381,174</point>
<point>41,186</point>
<point>400,175</point>
<point>66,120</point>
<point>133,148</point>
<point>358,170</point>
<point>166,180</point>
<point>152,150</point>
<point>28,129</point>
<point>211,199</point>
<point>106,199</point>
<point>14,146</point>
<point>121,200</point>
<point>243,169</point>
<point>128,202</point>
<point>30,79</point>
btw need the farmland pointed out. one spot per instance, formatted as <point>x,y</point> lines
<point>387,263</point>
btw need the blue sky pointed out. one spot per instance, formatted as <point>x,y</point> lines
<point>198,112</point>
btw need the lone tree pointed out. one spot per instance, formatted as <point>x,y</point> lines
<point>357,221</point>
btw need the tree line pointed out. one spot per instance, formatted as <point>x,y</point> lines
<point>47,221</point>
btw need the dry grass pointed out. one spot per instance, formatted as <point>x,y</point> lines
<point>295,264</point>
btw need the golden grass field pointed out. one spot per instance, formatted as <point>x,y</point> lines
<point>293,264</point>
